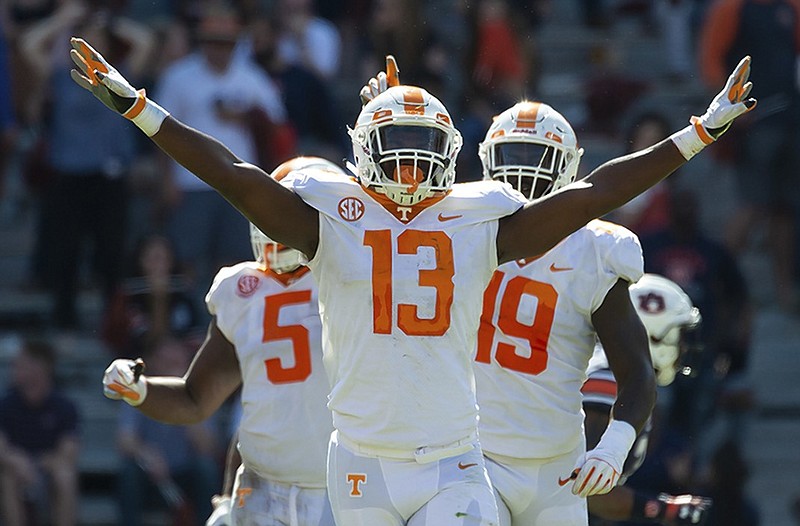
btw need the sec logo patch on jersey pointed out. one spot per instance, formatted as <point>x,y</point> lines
<point>351,208</point>
<point>247,285</point>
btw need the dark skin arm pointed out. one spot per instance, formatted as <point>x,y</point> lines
<point>283,216</point>
<point>274,209</point>
<point>212,377</point>
<point>539,225</point>
<point>626,346</point>
<point>277,211</point>
<point>625,343</point>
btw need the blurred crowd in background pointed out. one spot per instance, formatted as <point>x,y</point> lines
<point>277,78</point>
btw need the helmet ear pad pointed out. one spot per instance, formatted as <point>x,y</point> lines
<point>405,145</point>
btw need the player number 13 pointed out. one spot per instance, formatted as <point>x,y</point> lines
<point>440,278</point>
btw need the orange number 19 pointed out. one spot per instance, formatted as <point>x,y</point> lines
<point>537,334</point>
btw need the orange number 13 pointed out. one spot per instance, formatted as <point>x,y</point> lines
<point>440,278</point>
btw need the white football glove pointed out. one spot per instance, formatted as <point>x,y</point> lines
<point>381,82</point>
<point>113,90</point>
<point>221,516</point>
<point>597,471</point>
<point>123,381</point>
<point>729,104</point>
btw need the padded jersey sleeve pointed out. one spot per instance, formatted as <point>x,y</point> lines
<point>221,299</point>
<point>495,199</point>
<point>619,256</point>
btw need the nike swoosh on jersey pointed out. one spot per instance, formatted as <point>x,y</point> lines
<point>444,218</point>
<point>125,391</point>
<point>465,466</point>
<point>554,268</point>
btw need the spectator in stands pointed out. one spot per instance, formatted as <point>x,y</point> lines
<point>767,152</point>
<point>205,228</point>
<point>86,197</point>
<point>7,117</point>
<point>38,442</point>
<point>500,67</point>
<point>177,464</point>
<point>154,302</point>
<point>16,16</point>
<point>307,58</point>
<point>710,275</point>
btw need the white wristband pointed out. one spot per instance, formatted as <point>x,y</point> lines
<point>689,141</point>
<point>146,114</point>
<point>618,439</point>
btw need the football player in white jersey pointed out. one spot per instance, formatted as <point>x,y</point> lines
<point>541,318</point>
<point>402,256</point>
<point>667,314</point>
<point>265,336</point>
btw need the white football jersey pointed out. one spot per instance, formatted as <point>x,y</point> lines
<point>400,299</point>
<point>275,327</point>
<point>536,338</point>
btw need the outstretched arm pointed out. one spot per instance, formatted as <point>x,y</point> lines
<point>212,377</point>
<point>618,181</point>
<point>277,211</point>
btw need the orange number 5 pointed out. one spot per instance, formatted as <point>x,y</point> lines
<point>276,372</point>
<point>537,334</point>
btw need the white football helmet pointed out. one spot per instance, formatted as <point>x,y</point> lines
<point>275,256</point>
<point>405,145</point>
<point>532,147</point>
<point>666,312</point>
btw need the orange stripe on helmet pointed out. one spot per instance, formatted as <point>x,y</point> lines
<point>527,114</point>
<point>381,114</point>
<point>413,100</point>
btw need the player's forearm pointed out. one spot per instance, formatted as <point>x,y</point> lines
<point>276,210</point>
<point>170,401</point>
<point>636,397</point>
<point>201,154</point>
<point>618,181</point>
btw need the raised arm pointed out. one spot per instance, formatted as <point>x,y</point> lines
<point>618,181</point>
<point>211,378</point>
<point>274,209</point>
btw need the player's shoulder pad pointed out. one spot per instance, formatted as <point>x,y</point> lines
<point>618,248</point>
<point>228,279</point>
<point>607,230</point>
<point>320,187</point>
<point>495,196</point>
